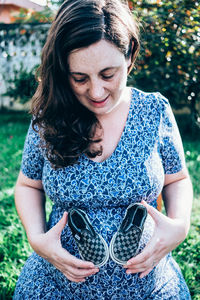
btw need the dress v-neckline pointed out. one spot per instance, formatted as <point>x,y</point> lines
<point>89,160</point>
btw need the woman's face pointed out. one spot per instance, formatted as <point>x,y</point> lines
<point>98,76</point>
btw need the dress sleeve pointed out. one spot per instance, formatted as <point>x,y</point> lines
<point>171,148</point>
<point>32,159</point>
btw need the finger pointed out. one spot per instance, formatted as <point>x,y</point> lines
<point>154,213</point>
<point>147,265</point>
<point>84,275</point>
<point>145,273</point>
<point>135,270</point>
<point>144,269</point>
<point>71,278</point>
<point>148,257</point>
<point>80,274</point>
<point>76,272</point>
<point>147,252</point>
<point>75,262</point>
<point>57,229</point>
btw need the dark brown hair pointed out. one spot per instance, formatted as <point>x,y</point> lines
<point>66,127</point>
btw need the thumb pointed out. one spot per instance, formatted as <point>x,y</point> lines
<point>57,229</point>
<point>154,213</point>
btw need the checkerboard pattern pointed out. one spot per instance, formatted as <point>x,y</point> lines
<point>125,245</point>
<point>93,249</point>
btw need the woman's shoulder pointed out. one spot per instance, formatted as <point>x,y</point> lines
<point>150,100</point>
<point>33,133</point>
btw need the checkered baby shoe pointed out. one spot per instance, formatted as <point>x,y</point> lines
<point>92,247</point>
<point>125,242</point>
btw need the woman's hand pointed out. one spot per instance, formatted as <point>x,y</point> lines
<point>168,234</point>
<point>48,245</point>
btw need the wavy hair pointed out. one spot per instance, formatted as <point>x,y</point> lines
<point>66,127</point>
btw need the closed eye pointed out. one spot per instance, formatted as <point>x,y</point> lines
<point>107,76</point>
<point>79,79</point>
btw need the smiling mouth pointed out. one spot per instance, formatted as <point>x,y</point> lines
<point>101,101</point>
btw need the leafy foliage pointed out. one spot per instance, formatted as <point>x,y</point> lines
<point>31,16</point>
<point>170,54</point>
<point>23,84</point>
<point>169,61</point>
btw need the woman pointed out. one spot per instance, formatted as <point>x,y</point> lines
<point>99,146</point>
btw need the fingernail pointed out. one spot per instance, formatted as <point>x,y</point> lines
<point>128,263</point>
<point>128,272</point>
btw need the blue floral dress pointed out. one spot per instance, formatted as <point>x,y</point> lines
<point>149,148</point>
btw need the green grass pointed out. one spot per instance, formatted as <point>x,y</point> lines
<point>188,253</point>
<point>14,248</point>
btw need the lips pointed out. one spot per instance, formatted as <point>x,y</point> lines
<point>99,103</point>
<point>100,100</point>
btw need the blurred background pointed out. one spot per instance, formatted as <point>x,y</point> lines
<point>169,62</point>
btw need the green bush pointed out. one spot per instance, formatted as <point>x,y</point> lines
<point>29,16</point>
<point>169,60</point>
<point>23,84</point>
<point>170,54</point>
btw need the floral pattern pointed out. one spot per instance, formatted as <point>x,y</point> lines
<point>149,148</point>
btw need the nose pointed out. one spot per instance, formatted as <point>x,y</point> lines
<point>96,90</point>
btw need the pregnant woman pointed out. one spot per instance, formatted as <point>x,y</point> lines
<point>98,146</point>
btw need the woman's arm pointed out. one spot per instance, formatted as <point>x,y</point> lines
<point>177,196</point>
<point>30,204</point>
<point>169,230</point>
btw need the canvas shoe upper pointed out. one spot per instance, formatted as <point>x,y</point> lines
<point>125,242</point>
<point>92,247</point>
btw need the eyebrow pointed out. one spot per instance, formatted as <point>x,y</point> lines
<point>104,70</point>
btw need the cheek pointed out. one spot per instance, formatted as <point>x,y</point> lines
<point>77,89</point>
<point>120,81</point>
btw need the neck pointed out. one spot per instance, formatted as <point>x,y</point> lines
<point>123,105</point>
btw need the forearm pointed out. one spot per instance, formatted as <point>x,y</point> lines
<point>177,197</point>
<point>30,205</point>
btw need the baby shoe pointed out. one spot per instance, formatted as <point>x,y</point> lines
<point>92,247</point>
<point>125,242</point>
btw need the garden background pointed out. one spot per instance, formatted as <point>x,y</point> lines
<point>169,62</point>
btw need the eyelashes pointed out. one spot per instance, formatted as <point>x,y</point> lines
<point>84,79</point>
<point>78,80</point>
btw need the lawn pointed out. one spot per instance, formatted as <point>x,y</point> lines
<point>14,247</point>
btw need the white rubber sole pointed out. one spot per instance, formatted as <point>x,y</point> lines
<point>112,255</point>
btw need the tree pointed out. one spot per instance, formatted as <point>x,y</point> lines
<point>170,53</point>
<point>169,60</point>
<point>30,16</point>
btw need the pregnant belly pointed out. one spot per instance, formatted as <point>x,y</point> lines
<point>105,221</point>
